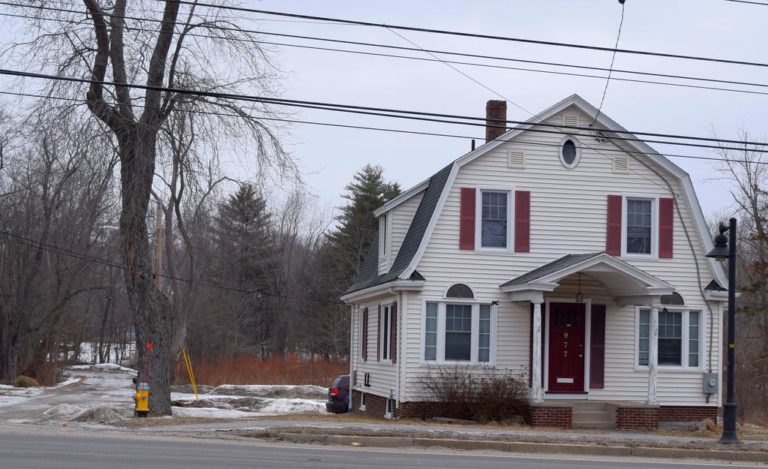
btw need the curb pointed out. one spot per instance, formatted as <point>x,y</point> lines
<point>523,447</point>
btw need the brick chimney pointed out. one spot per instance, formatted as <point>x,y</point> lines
<point>495,119</point>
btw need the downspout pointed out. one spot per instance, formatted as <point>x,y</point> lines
<point>354,309</point>
<point>400,348</point>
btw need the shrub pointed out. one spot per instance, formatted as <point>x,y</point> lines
<point>481,395</point>
<point>25,382</point>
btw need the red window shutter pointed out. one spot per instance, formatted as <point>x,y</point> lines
<point>597,348</point>
<point>613,231</point>
<point>522,221</point>
<point>378,335</point>
<point>666,224</point>
<point>364,339</point>
<point>467,218</point>
<point>393,334</point>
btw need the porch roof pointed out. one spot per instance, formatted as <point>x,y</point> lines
<point>623,280</point>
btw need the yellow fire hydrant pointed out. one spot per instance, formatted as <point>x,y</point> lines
<point>142,400</point>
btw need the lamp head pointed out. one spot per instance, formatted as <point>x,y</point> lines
<point>720,251</point>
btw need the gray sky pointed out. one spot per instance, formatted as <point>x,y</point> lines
<point>696,27</point>
<point>330,156</point>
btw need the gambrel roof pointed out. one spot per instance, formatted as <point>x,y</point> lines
<point>369,273</point>
<point>436,190</point>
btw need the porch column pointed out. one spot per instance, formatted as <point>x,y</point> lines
<point>653,354</point>
<point>537,391</point>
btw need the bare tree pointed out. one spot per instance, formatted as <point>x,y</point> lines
<point>58,200</point>
<point>177,50</point>
<point>748,169</point>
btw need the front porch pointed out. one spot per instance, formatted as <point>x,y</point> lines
<point>568,328</point>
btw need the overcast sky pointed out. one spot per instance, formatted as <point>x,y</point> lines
<point>330,156</point>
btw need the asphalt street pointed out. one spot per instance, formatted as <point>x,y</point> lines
<point>83,450</point>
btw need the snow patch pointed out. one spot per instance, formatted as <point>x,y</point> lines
<point>65,412</point>
<point>293,406</point>
<point>68,382</point>
<point>210,412</point>
<point>273,390</point>
<point>104,367</point>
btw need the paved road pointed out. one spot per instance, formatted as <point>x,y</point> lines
<point>67,449</point>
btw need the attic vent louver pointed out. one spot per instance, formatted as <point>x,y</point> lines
<point>571,120</point>
<point>516,160</point>
<point>620,164</point>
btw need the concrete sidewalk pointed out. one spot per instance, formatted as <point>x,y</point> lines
<point>348,431</point>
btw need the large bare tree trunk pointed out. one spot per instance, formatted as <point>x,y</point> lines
<point>152,310</point>
<point>137,139</point>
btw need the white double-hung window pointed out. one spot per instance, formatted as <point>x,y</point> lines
<point>680,338</point>
<point>459,332</point>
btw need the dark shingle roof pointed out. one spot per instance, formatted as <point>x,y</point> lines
<point>552,267</point>
<point>369,272</point>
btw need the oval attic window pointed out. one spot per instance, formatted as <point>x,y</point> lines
<point>568,153</point>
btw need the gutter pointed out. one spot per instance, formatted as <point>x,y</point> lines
<point>384,289</point>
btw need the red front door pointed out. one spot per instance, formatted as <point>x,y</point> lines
<point>566,347</point>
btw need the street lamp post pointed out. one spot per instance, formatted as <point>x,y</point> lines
<point>725,248</point>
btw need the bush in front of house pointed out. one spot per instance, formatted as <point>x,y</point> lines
<point>481,395</point>
<point>25,382</point>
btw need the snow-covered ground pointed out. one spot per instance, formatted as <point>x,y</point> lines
<point>117,353</point>
<point>103,394</point>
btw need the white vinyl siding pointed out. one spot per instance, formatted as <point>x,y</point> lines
<point>383,373</point>
<point>583,212</point>
<point>400,220</point>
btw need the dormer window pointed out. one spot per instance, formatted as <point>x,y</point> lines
<point>382,236</point>
<point>569,152</point>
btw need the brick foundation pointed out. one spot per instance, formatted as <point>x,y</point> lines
<point>421,410</point>
<point>375,406</point>
<point>687,414</point>
<point>550,416</point>
<point>637,418</point>
<point>627,417</point>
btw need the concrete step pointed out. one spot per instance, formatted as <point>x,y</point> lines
<point>593,415</point>
<point>587,405</point>
<point>597,425</point>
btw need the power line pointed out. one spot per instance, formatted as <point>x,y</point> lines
<point>361,127</point>
<point>404,114</point>
<point>610,69</point>
<point>477,35</point>
<point>523,69</point>
<point>431,52</point>
<point>29,242</point>
<point>457,70</point>
<point>529,112</point>
<point>749,2</point>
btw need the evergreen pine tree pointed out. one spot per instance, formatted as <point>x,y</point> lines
<point>356,224</point>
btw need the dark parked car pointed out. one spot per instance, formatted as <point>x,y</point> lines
<point>338,395</point>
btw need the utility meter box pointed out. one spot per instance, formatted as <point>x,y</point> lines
<point>711,381</point>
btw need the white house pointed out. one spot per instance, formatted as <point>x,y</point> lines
<point>568,256</point>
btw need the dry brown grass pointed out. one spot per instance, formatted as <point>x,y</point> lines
<point>289,369</point>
